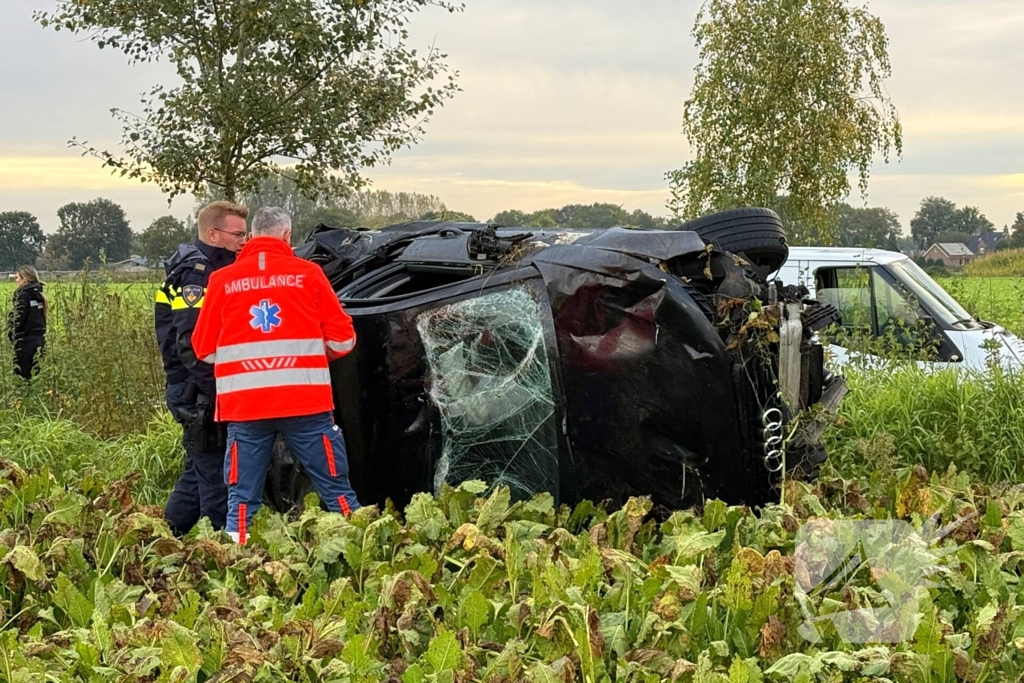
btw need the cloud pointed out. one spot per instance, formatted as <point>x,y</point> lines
<point>569,101</point>
<point>41,185</point>
<point>43,173</point>
<point>998,196</point>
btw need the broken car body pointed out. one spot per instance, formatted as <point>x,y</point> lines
<point>591,364</point>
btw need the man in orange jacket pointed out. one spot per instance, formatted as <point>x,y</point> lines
<point>269,325</point>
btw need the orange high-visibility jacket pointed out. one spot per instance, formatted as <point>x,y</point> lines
<point>269,323</point>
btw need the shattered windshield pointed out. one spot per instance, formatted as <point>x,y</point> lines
<point>491,383</point>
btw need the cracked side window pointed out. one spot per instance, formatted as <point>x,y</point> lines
<point>491,383</point>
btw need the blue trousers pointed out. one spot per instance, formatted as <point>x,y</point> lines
<point>315,441</point>
<point>200,491</point>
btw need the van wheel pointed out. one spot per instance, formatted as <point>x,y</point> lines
<point>754,234</point>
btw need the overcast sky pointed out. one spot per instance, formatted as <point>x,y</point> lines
<point>568,101</point>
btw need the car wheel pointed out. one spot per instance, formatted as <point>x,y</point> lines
<point>287,483</point>
<point>754,234</point>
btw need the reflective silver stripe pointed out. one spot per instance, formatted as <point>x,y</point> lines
<point>263,260</point>
<point>341,347</point>
<point>273,378</point>
<point>211,359</point>
<point>269,349</point>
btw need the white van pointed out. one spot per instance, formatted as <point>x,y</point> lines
<point>873,289</point>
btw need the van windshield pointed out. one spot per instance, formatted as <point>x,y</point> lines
<point>944,307</point>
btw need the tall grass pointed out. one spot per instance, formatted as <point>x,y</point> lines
<point>153,457</point>
<point>912,417</point>
<point>1006,263</point>
<point>101,368</point>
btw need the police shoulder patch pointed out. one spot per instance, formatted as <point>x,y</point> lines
<point>200,266</point>
<point>192,294</point>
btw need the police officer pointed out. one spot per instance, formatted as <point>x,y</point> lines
<point>200,491</point>
<point>27,325</point>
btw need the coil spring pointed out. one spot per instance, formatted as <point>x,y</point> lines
<point>771,433</point>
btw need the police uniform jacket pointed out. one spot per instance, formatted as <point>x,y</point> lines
<point>27,320</point>
<point>178,303</point>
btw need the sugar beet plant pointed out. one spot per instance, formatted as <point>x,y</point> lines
<point>467,587</point>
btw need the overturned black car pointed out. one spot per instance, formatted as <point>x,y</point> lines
<point>591,364</point>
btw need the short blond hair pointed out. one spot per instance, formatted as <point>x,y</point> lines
<point>212,215</point>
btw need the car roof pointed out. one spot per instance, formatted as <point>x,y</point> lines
<point>843,255</point>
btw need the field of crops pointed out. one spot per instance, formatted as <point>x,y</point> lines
<point>465,588</point>
<point>472,586</point>
<point>997,299</point>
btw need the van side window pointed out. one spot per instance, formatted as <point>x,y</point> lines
<point>849,290</point>
<point>868,302</point>
<point>893,310</point>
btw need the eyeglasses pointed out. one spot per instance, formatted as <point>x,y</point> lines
<point>236,235</point>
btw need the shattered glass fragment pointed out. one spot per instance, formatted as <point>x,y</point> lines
<point>490,380</point>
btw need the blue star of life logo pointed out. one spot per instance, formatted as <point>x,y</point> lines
<point>266,316</point>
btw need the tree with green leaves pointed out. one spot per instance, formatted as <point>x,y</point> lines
<point>641,219</point>
<point>446,215</point>
<point>935,216</point>
<point>788,99</point>
<point>279,190</point>
<point>95,231</point>
<point>872,228</point>
<point>511,217</point>
<point>1016,240</point>
<point>162,237</point>
<point>596,215</point>
<point>973,222</point>
<point>329,87</point>
<point>337,207</point>
<point>542,219</point>
<point>939,220</point>
<point>21,239</point>
<point>378,208</point>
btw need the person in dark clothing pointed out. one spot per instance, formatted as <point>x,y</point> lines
<point>26,328</point>
<point>191,389</point>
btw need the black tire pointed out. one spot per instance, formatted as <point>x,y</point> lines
<point>287,483</point>
<point>754,234</point>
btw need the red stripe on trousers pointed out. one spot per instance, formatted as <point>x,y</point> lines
<point>233,471</point>
<point>329,450</point>
<point>241,523</point>
<point>345,509</point>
